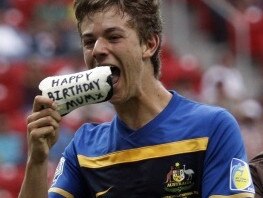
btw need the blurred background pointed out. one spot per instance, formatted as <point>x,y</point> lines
<point>212,53</point>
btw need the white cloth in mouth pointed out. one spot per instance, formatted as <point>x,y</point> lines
<point>72,91</point>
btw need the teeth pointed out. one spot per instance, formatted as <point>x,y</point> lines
<point>75,90</point>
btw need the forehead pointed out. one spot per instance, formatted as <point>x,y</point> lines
<point>109,18</point>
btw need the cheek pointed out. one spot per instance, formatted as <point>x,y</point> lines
<point>87,58</point>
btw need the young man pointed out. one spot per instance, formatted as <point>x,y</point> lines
<point>159,144</point>
<point>256,168</point>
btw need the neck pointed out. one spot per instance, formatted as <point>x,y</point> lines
<point>139,110</point>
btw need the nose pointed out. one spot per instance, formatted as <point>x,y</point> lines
<point>100,50</point>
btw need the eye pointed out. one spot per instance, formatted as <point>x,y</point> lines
<point>88,43</point>
<point>114,38</point>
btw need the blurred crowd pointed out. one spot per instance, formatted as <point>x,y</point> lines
<point>39,38</point>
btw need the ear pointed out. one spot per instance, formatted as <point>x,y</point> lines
<point>151,46</point>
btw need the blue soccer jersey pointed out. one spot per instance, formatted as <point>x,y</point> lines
<point>189,150</point>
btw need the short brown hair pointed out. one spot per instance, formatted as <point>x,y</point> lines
<point>145,18</point>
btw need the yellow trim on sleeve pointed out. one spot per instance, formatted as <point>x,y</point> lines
<point>143,153</point>
<point>61,192</point>
<point>103,192</point>
<point>240,195</point>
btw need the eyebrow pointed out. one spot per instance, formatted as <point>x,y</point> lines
<point>112,29</point>
<point>107,31</point>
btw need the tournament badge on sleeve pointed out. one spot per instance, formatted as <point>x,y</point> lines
<point>240,178</point>
<point>59,170</point>
<point>75,90</point>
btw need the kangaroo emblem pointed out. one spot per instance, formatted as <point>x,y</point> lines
<point>169,175</point>
<point>189,173</point>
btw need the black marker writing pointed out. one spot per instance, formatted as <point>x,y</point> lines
<point>83,99</point>
<point>87,76</point>
<point>71,91</point>
<point>67,80</point>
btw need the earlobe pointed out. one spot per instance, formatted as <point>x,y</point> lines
<point>151,46</point>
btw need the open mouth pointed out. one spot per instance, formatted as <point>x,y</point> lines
<point>115,74</point>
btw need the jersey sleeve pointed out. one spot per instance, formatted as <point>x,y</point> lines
<point>226,170</point>
<point>68,181</point>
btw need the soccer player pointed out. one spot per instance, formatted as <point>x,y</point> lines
<point>159,144</point>
<point>256,167</point>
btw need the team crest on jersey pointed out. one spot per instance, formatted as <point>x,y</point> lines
<point>179,179</point>
<point>240,178</point>
<point>59,170</point>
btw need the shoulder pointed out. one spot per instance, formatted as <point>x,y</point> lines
<point>203,117</point>
<point>90,139</point>
<point>91,130</point>
<point>204,111</point>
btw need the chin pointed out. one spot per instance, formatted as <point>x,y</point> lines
<point>115,101</point>
<point>118,99</point>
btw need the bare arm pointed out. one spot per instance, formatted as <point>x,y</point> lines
<point>42,134</point>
